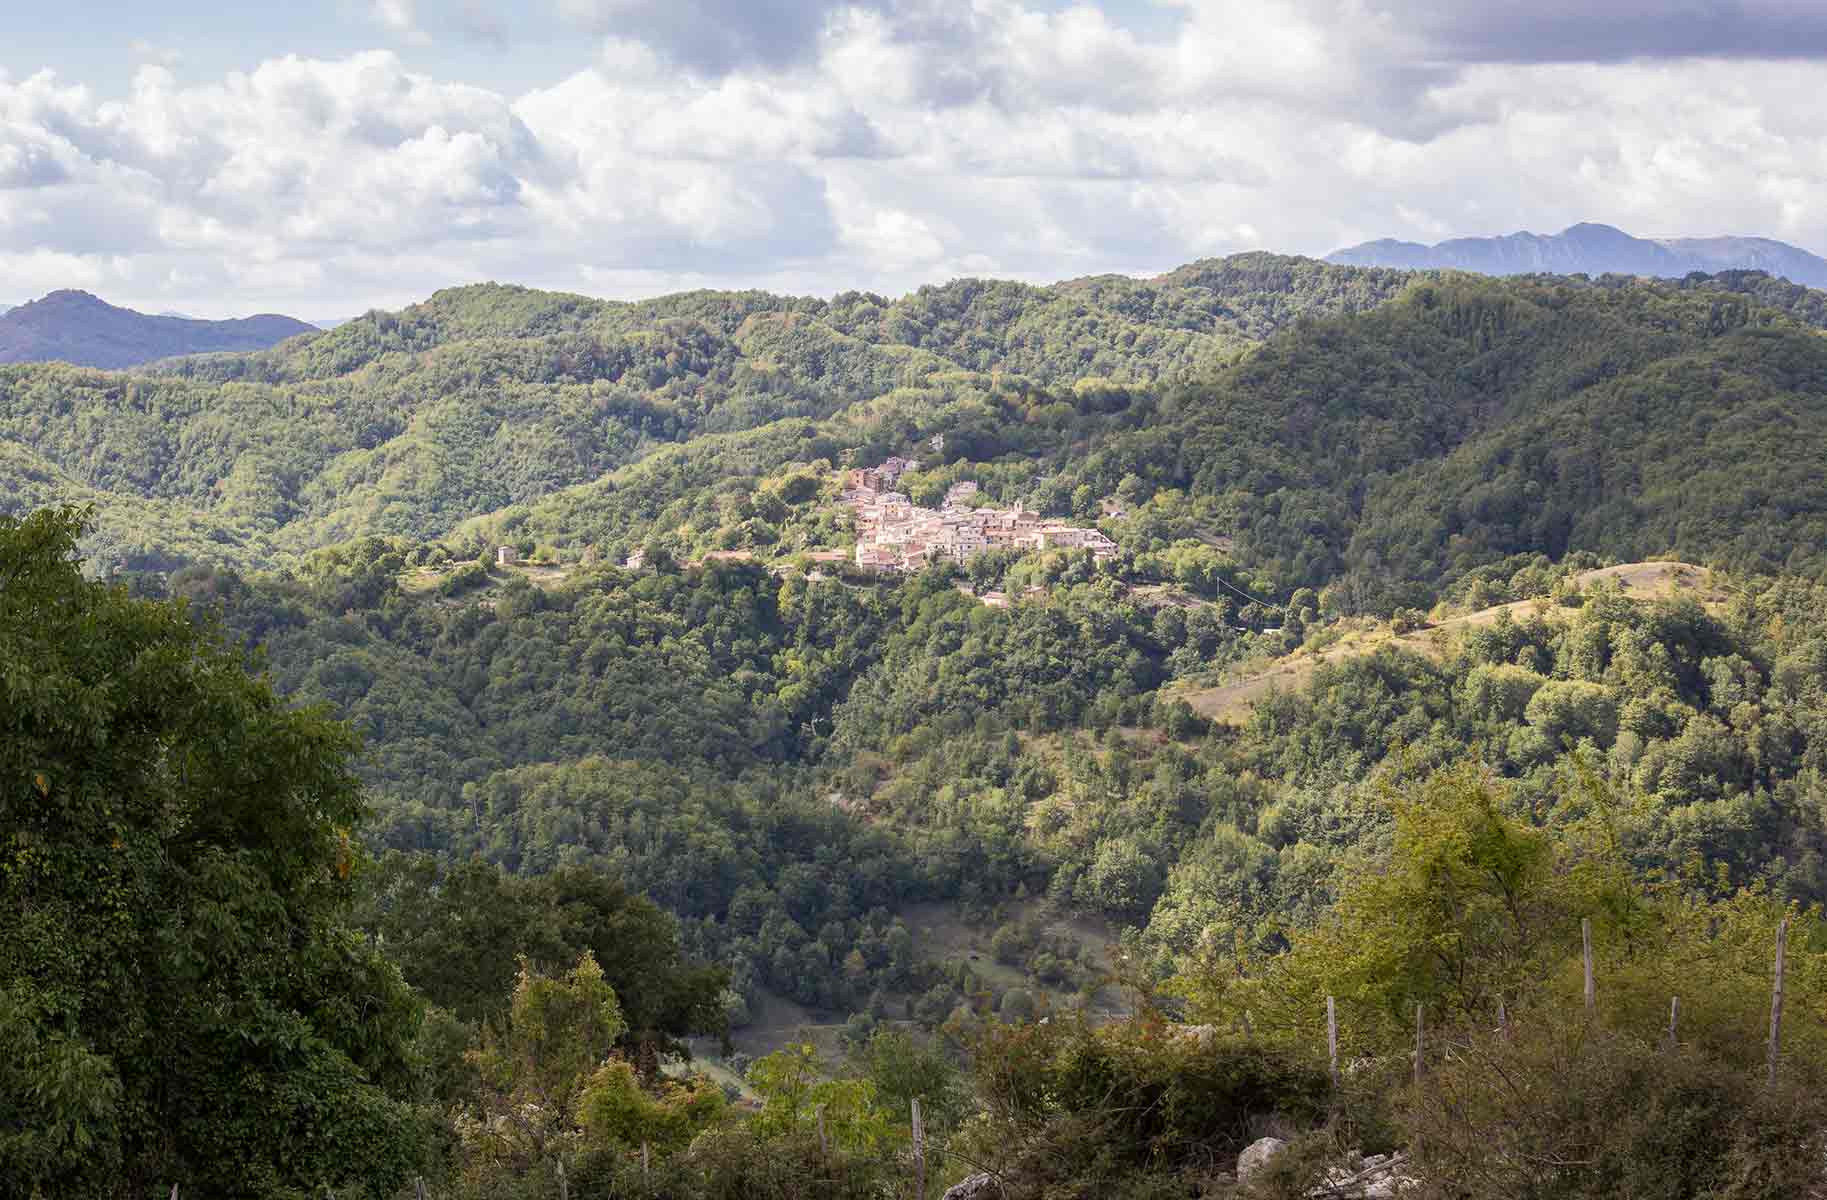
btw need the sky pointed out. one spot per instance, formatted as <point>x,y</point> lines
<point>324,157</point>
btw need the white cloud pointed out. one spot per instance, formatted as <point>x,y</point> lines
<point>400,17</point>
<point>905,141</point>
<point>152,52</point>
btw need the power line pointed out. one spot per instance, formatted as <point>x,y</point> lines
<point>1265,603</point>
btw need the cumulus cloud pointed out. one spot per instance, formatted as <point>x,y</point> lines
<point>715,36</point>
<point>164,56</point>
<point>400,17</point>
<point>30,163</point>
<point>822,146</point>
<point>1578,31</point>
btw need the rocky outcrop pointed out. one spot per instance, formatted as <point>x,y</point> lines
<point>1256,1156</point>
<point>1372,1178</point>
<point>1356,1178</point>
<point>981,1186</point>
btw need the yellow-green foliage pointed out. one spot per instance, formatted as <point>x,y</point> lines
<point>614,1109</point>
<point>1566,1110</point>
<point>533,1071</point>
<point>794,1089</point>
<point>1476,906</point>
<point>1072,1109</point>
<point>1499,692</point>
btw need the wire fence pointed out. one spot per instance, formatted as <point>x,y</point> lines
<point>921,1149</point>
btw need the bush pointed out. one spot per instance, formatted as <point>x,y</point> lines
<point>733,1163</point>
<point>469,575</point>
<point>1018,1006</point>
<point>1134,1108</point>
<point>1013,943</point>
<point>1565,1111</point>
<point>1407,620</point>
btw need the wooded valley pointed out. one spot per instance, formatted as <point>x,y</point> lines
<point>337,728</point>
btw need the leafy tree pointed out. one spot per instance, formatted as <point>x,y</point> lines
<point>462,933</point>
<point>180,996</point>
<point>903,1070</point>
<point>1471,907</point>
<point>794,1087</point>
<point>556,1032</point>
<point>617,1110</point>
<point>551,1090</point>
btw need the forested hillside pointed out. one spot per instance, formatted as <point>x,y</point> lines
<point>1471,420</point>
<point>738,791</point>
<point>786,763</point>
<point>793,768</point>
<point>1380,448</point>
<point>1377,454</point>
<point>485,397</point>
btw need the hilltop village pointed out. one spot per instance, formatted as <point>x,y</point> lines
<point>894,534</point>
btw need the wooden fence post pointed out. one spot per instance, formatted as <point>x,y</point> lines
<point>919,1152</point>
<point>646,1169</point>
<point>824,1144</point>
<point>1674,1022</point>
<point>1776,999</point>
<point>1420,1040</point>
<point>1503,1020</point>
<point>564,1188</point>
<point>1332,1039</point>
<point>418,1187</point>
<point>1591,990</point>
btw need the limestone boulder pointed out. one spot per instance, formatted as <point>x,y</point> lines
<point>1256,1156</point>
<point>981,1186</point>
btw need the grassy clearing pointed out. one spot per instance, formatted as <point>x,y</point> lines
<point>1230,702</point>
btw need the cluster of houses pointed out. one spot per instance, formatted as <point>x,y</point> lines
<point>894,534</point>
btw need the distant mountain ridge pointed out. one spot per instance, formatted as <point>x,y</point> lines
<point>1592,249</point>
<point>76,327</point>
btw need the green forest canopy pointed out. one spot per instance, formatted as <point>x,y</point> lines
<point>1379,430</point>
<point>714,788</point>
<point>186,982</point>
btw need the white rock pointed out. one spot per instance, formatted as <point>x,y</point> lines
<point>982,1186</point>
<point>1256,1156</point>
<point>1375,1178</point>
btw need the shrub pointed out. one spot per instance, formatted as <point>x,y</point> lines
<point>469,575</point>
<point>1012,943</point>
<point>733,1163</point>
<point>1566,1111</point>
<point>1069,1109</point>
<point>1407,620</point>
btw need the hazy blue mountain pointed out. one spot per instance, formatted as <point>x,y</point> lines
<point>1592,249</point>
<point>76,327</point>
